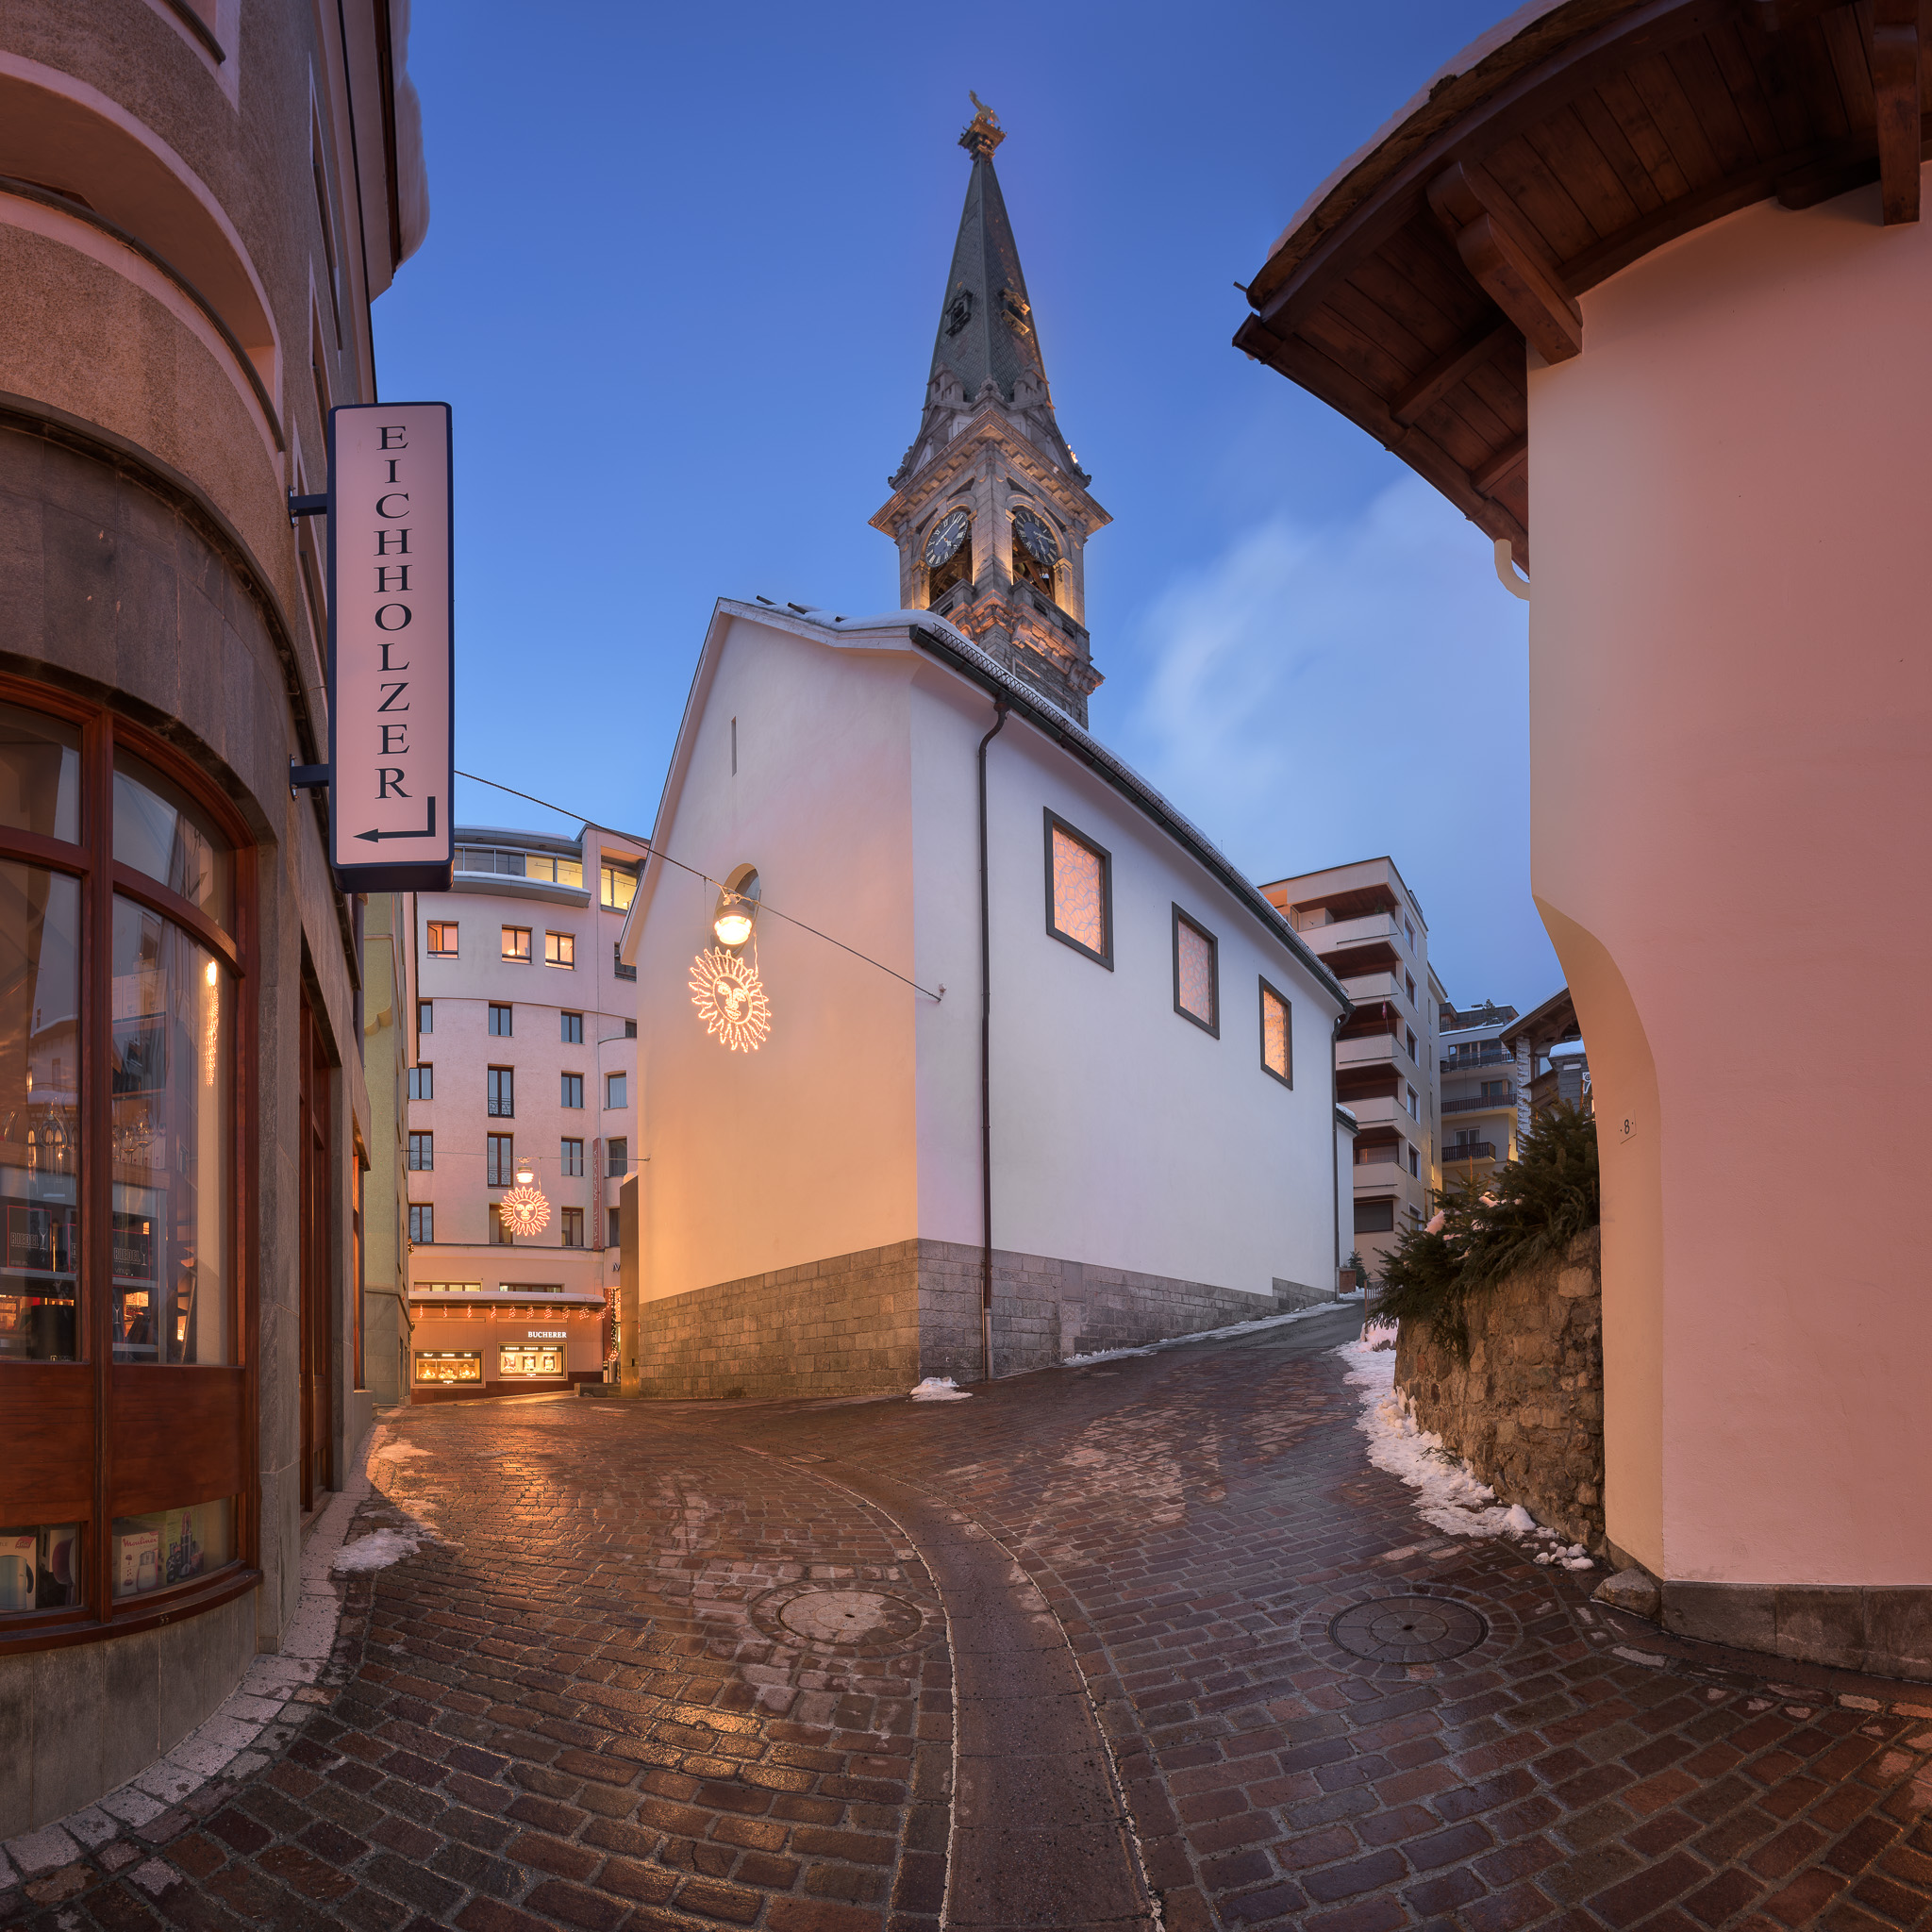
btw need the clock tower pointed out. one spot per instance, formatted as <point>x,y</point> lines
<point>990,509</point>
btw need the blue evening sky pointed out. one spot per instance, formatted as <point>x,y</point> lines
<point>681,283</point>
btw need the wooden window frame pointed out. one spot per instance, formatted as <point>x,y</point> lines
<point>1268,989</point>
<point>1055,823</point>
<point>1211,1029</point>
<point>88,1437</point>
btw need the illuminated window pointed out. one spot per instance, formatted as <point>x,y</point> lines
<point>572,1227</point>
<point>423,1081</point>
<point>559,949</point>
<point>616,1090</point>
<point>1079,891</point>
<point>1277,1036</point>
<point>447,1365</point>
<point>422,1222</point>
<point>422,1151</point>
<point>501,1092</point>
<point>443,939</point>
<point>533,1359</point>
<point>516,943</point>
<point>572,1089</point>
<point>1196,974</point>
<point>618,887</point>
<point>573,1029</point>
<point>572,1160</point>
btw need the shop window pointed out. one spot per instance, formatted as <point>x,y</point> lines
<point>572,1089</point>
<point>1196,973</point>
<point>620,1156</point>
<point>516,944</point>
<point>1079,891</point>
<point>616,1090</point>
<point>444,1367</point>
<point>572,1162</point>
<point>423,1081</point>
<point>559,949</point>
<point>422,1153</point>
<point>1277,1035</point>
<point>502,1019</point>
<point>572,1227</point>
<point>573,1029</point>
<point>443,939</point>
<point>422,1223</point>
<point>500,1092</point>
<point>517,1360</point>
<point>119,1096</point>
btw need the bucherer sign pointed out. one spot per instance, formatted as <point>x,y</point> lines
<point>391,654</point>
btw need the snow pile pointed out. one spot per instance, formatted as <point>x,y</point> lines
<point>1451,1497</point>
<point>1380,1334</point>
<point>1114,1354</point>
<point>939,1388</point>
<point>379,1549</point>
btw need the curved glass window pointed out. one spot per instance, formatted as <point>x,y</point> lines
<point>40,1115</point>
<point>160,831</point>
<point>170,1072</point>
<point>39,774</point>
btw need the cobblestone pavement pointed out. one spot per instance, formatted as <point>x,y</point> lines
<point>677,1665</point>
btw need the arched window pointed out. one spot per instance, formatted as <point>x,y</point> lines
<point>948,554</point>
<point>1036,550</point>
<point>126,1494</point>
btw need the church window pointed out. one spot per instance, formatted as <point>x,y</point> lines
<point>1277,1036</point>
<point>1079,891</point>
<point>1195,989</point>
<point>949,553</point>
<point>1036,550</point>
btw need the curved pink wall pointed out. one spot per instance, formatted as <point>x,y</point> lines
<point>1731,711</point>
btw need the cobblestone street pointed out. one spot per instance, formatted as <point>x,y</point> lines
<point>672,1665</point>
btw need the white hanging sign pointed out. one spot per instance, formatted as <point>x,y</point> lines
<point>391,647</point>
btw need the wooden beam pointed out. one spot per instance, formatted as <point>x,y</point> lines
<point>1500,467</point>
<point>1442,376</point>
<point>1508,260</point>
<point>1895,90</point>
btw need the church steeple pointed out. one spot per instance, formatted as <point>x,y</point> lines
<point>990,507</point>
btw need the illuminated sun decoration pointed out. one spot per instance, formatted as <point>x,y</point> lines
<point>730,999</point>
<point>523,1209</point>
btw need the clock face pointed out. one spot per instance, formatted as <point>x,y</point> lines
<point>1032,531</point>
<point>949,533</point>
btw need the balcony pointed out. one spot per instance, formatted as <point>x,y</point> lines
<point>1505,1103</point>
<point>1383,1111</point>
<point>1486,1056</point>
<point>1469,1150</point>
<point>1367,1050</point>
<point>1350,932</point>
<point>1373,986</point>
<point>1384,1154</point>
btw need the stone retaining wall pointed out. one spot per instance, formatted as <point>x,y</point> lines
<point>875,1322</point>
<point>1527,1408</point>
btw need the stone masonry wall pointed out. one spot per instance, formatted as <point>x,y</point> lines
<point>875,1322</point>
<point>1527,1409</point>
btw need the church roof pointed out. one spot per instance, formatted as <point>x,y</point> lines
<point>986,321</point>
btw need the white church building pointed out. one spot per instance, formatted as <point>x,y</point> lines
<point>959,1050</point>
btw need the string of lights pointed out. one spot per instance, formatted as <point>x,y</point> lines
<point>765,910</point>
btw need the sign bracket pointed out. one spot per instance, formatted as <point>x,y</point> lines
<point>307,506</point>
<point>307,777</point>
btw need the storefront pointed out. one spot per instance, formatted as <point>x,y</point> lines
<point>515,1339</point>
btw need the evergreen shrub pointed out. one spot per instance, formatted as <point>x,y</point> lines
<point>1528,1211</point>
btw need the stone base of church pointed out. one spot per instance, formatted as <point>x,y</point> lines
<point>877,1322</point>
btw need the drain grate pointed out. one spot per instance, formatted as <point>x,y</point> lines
<point>1408,1629</point>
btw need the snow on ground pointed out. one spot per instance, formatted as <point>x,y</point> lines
<point>939,1388</point>
<point>379,1549</point>
<point>1450,1495</point>
<point>1114,1354</point>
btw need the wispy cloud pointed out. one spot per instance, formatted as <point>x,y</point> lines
<point>1315,695</point>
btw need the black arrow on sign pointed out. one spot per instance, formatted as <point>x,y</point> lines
<point>428,832</point>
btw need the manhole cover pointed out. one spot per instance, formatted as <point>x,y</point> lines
<point>849,1616</point>
<point>1408,1629</point>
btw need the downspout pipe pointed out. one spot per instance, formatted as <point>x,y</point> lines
<point>986,1062</point>
<point>1335,1146</point>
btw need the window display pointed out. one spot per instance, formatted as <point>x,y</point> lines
<point>40,1569</point>
<point>533,1359</point>
<point>449,1365</point>
<point>170,1547</point>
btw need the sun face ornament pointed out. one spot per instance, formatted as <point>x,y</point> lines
<point>524,1210</point>
<point>730,999</point>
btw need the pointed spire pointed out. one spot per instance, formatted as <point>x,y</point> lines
<point>986,321</point>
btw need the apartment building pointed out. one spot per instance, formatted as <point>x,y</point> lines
<point>525,1064</point>
<point>1364,924</point>
<point>1479,1092</point>
<point>1551,1066</point>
